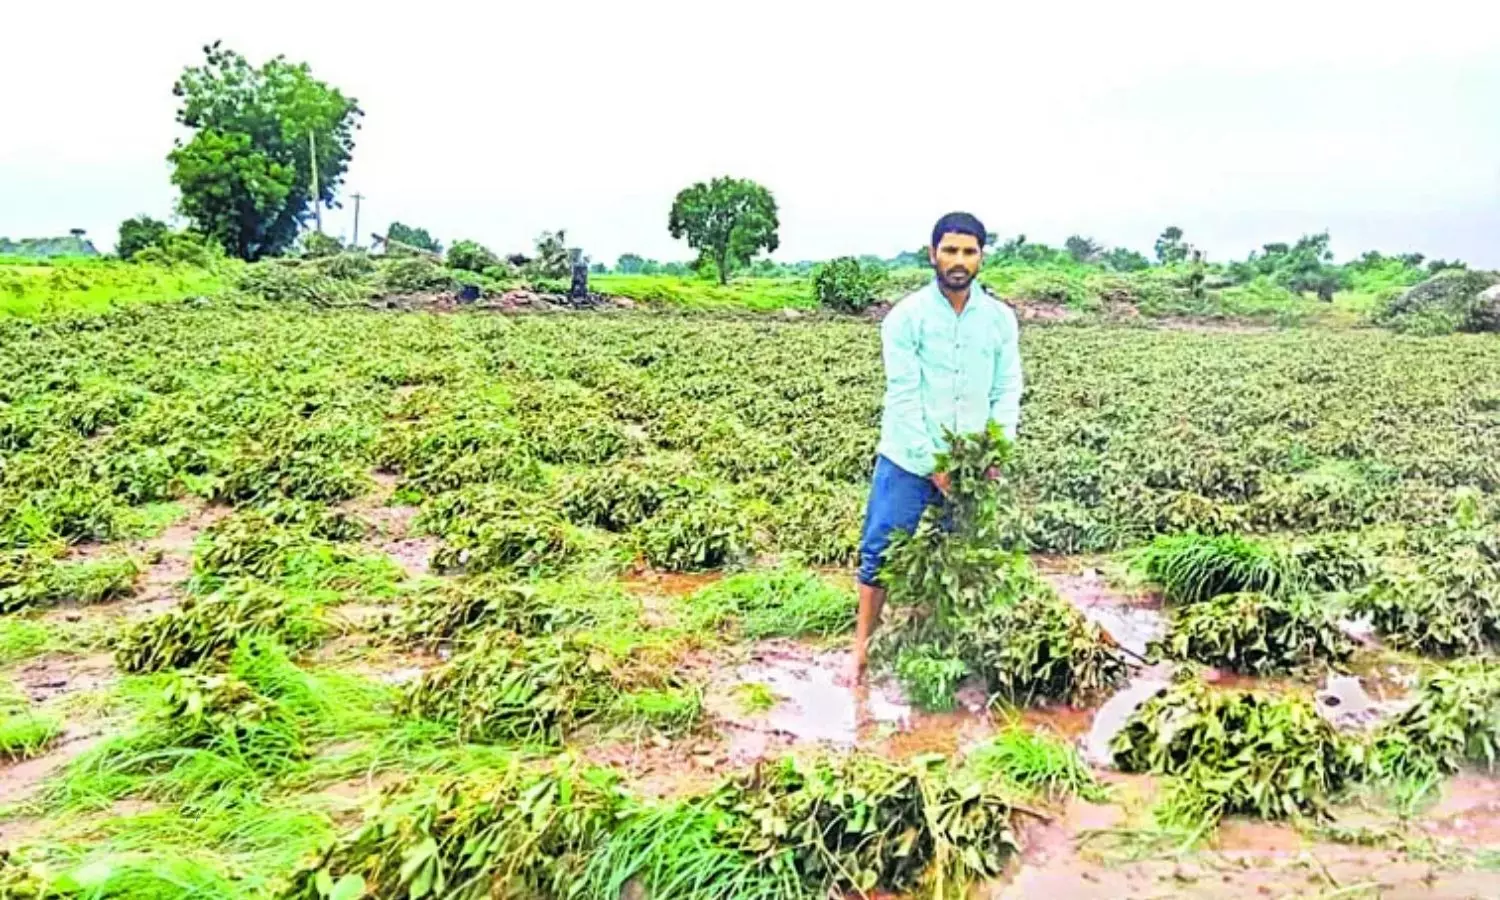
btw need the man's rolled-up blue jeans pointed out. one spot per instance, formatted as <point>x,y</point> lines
<point>897,500</point>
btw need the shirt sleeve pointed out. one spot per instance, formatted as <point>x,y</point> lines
<point>1005,387</point>
<point>903,397</point>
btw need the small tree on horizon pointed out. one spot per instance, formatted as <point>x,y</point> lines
<point>728,221</point>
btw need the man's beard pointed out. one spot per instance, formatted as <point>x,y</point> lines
<point>957,279</point>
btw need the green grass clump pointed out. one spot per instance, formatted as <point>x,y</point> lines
<point>21,639</point>
<point>1035,763</point>
<point>1257,634</point>
<point>211,740</point>
<point>1190,568</point>
<point>26,734</point>
<point>205,629</point>
<point>785,602</point>
<point>1247,752</point>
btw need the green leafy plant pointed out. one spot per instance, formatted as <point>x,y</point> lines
<point>1455,721</point>
<point>1244,752</point>
<point>505,688</point>
<point>32,579</point>
<point>204,629</point>
<point>1257,634</point>
<point>930,678</point>
<point>1447,603</point>
<point>847,285</point>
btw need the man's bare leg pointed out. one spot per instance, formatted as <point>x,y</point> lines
<point>871,602</point>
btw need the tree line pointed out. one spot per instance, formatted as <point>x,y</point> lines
<point>270,146</point>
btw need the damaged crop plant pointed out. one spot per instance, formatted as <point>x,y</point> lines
<point>963,605</point>
<point>794,829</point>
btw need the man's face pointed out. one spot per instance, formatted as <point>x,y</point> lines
<point>956,260</point>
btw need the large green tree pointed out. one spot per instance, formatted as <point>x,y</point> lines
<point>727,221</point>
<point>262,137</point>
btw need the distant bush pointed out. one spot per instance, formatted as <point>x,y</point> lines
<point>316,244</point>
<point>414,275</point>
<point>288,281</point>
<point>471,256</point>
<point>846,284</point>
<point>139,233</point>
<point>1448,301</point>
<point>181,248</point>
<point>406,237</point>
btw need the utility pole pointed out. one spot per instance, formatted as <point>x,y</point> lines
<point>312,158</point>
<point>356,198</point>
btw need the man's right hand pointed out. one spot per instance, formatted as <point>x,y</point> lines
<point>943,481</point>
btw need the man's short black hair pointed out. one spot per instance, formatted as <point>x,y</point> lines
<point>958,223</point>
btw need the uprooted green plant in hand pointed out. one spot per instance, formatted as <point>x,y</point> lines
<point>956,594</point>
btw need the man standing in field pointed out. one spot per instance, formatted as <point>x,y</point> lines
<point>952,360</point>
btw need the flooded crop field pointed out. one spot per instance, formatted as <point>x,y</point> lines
<point>339,604</point>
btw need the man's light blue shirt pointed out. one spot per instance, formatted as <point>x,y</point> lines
<point>946,370</point>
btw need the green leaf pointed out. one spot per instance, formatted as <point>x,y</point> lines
<point>350,887</point>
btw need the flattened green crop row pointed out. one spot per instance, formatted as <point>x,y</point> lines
<point>698,443</point>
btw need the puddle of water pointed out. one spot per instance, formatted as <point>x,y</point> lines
<point>817,705</point>
<point>1132,620</point>
<point>1111,717</point>
<point>815,702</point>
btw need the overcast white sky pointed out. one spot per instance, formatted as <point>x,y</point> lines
<point>1242,122</point>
